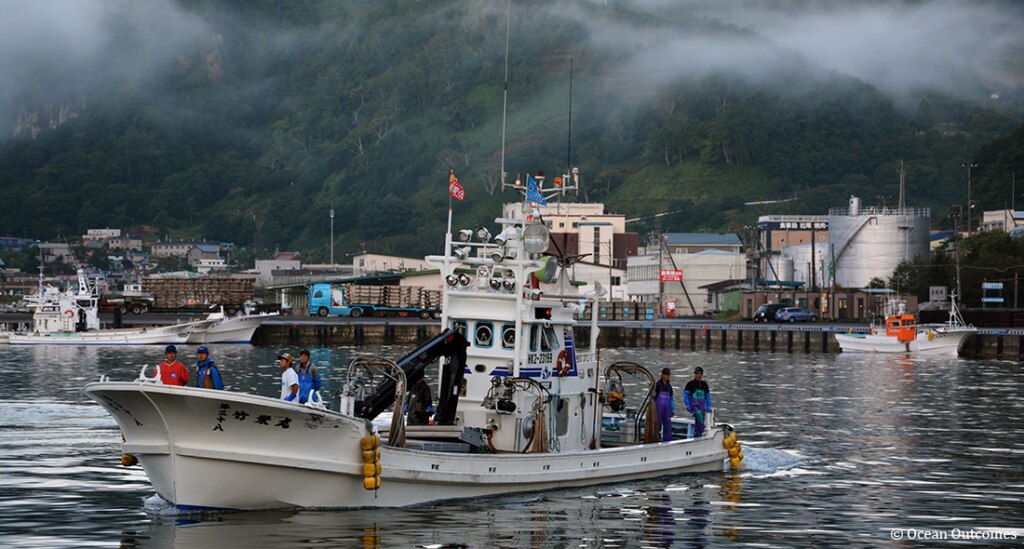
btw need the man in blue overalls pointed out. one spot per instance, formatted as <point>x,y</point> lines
<point>697,398</point>
<point>309,377</point>
<point>665,405</point>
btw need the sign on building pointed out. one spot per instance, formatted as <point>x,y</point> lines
<point>937,293</point>
<point>670,275</point>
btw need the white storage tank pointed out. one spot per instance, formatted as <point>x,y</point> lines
<point>784,266</point>
<point>869,242</point>
<point>801,258</point>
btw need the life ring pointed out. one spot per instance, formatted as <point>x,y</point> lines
<point>69,313</point>
<point>562,364</point>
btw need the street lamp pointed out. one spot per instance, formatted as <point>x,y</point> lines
<point>970,205</point>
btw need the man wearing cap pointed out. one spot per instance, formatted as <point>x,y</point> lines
<point>207,374</point>
<point>289,379</point>
<point>309,377</point>
<point>665,404</point>
<point>697,398</point>
<point>173,372</point>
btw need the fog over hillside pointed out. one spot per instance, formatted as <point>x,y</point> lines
<point>54,50</point>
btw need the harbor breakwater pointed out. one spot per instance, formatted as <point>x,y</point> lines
<point>683,334</point>
<point>687,335</point>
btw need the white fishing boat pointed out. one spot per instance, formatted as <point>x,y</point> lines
<point>520,408</point>
<point>72,318</point>
<point>902,335</point>
<point>220,328</point>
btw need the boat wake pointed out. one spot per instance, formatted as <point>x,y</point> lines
<point>156,505</point>
<point>770,460</point>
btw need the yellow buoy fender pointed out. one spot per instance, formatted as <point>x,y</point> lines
<point>735,462</point>
<point>740,456</point>
<point>370,470</point>
<point>734,451</point>
<point>370,483</point>
<point>128,460</point>
<point>728,442</point>
<point>369,442</point>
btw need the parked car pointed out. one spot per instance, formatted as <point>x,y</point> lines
<point>795,314</point>
<point>766,312</point>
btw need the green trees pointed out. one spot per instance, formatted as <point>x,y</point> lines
<point>368,105</point>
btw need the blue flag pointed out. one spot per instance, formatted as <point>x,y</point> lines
<point>533,193</point>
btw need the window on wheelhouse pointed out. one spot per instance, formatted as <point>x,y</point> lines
<point>508,336</point>
<point>484,334</point>
<point>547,337</point>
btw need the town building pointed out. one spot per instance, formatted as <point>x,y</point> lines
<point>200,252</point>
<point>677,283</point>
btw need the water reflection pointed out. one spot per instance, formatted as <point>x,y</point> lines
<point>888,442</point>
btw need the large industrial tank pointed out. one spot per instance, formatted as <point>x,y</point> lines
<point>801,258</point>
<point>869,242</point>
<point>785,269</point>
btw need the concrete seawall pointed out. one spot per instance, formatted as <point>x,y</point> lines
<point>989,343</point>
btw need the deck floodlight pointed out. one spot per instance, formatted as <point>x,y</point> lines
<point>464,279</point>
<point>535,238</point>
<point>465,235</point>
<point>498,255</point>
<point>501,239</point>
<point>452,280</point>
<point>482,234</point>
<point>509,284</point>
<point>495,284</point>
<point>462,253</point>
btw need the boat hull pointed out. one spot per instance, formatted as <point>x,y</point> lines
<point>231,330</point>
<point>938,342</point>
<point>162,335</point>
<point>215,449</point>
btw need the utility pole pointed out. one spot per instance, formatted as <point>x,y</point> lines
<point>332,235</point>
<point>970,206</point>
<point>814,275</point>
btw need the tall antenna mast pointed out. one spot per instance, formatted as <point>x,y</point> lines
<point>504,105</point>
<point>568,148</point>
<point>903,188</point>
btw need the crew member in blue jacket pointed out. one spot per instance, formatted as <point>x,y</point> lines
<point>665,404</point>
<point>309,377</point>
<point>207,374</point>
<point>697,399</point>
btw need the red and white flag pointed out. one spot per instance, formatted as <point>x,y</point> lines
<point>455,188</point>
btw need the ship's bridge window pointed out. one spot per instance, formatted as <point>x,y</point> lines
<point>460,326</point>
<point>484,334</point>
<point>546,335</point>
<point>508,336</point>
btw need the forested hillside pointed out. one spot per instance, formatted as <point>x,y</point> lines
<point>245,121</point>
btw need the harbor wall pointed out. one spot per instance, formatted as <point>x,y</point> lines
<point>768,339</point>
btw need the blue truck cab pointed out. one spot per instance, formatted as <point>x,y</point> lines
<point>325,300</point>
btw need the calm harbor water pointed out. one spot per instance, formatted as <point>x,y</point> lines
<point>841,450</point>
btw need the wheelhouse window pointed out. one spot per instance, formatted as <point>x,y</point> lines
<point>508,336</point>
<point>484,334</point>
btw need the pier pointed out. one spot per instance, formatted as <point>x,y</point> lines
<point>679,334</point>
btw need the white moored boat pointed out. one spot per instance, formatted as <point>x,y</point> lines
<point>220,328</point>
<point>519,408</point>
<point>72,318</point>
<point>902,335</point>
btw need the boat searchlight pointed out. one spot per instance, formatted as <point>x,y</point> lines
<point>535,238</point>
